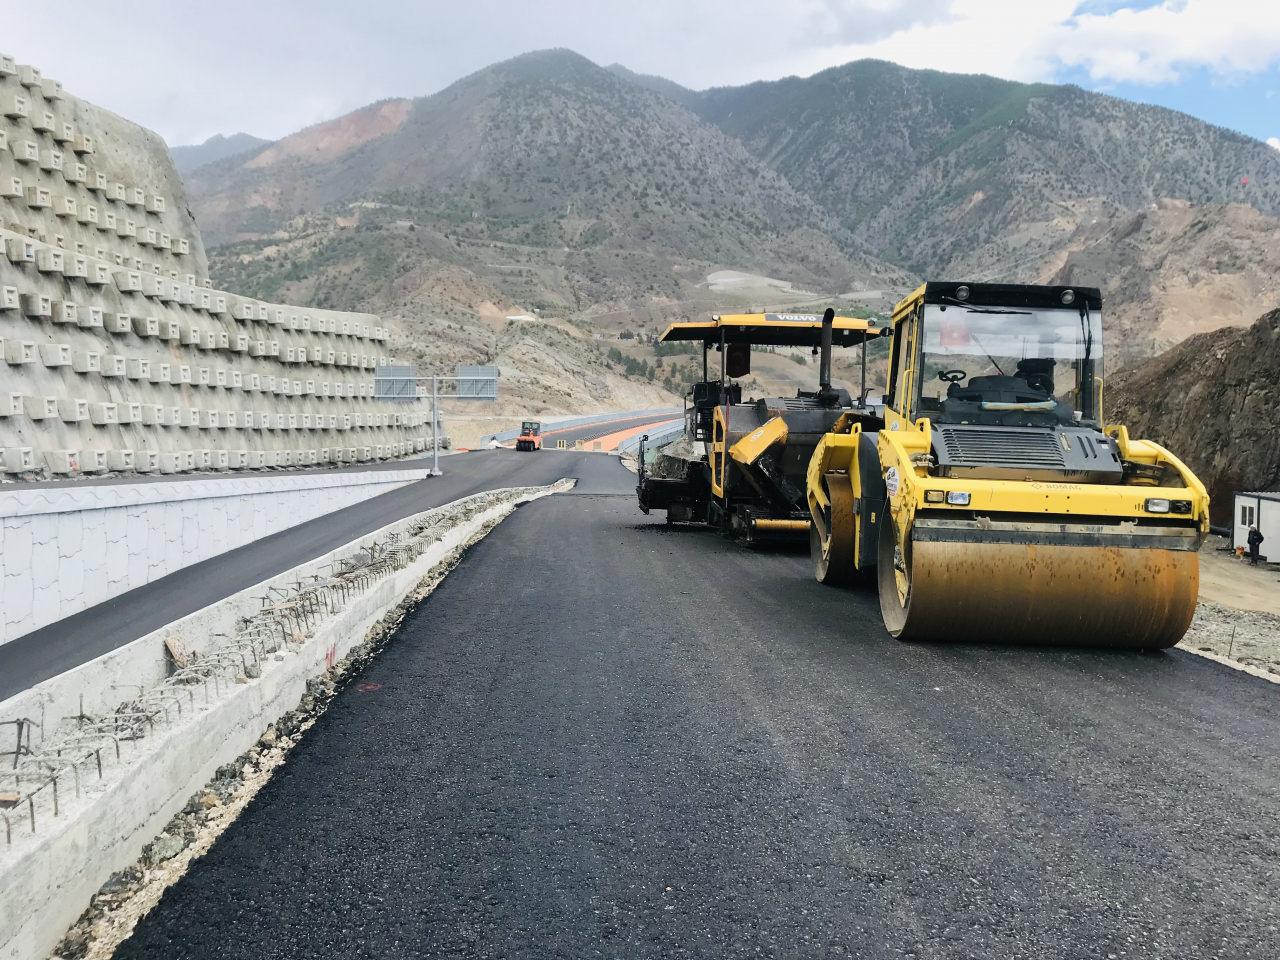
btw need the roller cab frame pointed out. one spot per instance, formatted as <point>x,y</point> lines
<point>993,503</point>
<point>530,438</point>
<point>749,481</point>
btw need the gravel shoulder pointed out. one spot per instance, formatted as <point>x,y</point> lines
<point>1238,617</point>
<point>1229,582</point>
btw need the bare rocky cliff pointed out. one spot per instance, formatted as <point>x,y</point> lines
<point>1214,400</point>
<point>1173,270</point>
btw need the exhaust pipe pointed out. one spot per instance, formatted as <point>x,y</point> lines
<point>825,393</point>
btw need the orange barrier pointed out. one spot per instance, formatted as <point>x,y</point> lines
<point>610,441</point>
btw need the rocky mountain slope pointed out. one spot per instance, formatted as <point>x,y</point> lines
<point>547,185</point>
<point>542,185</point>
<point>217,147</point>
<point>1173,270</point>
<point>950,174</point>
<point>1213,400</point>
<point>970,176</point>
<point>544,151</point>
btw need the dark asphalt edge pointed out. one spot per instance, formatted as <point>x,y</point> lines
<point>1229,664</point>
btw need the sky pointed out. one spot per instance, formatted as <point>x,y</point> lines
<point>192,68</point>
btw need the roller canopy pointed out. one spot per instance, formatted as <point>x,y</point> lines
<point>1006,295</point>
<point>775,329</point>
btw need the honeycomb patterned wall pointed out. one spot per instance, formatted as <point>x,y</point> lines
<point>115,352</point>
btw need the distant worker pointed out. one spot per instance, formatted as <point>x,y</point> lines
<point>1254,540</point>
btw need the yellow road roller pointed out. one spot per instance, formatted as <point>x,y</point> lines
<point>991,502</point>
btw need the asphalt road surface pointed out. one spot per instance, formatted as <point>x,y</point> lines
<point>593,431</point>
<point>605,737</point>
<point>66,644</point>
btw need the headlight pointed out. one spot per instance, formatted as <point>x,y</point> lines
<point>958,498</point>
<point>934,496</point>
<point>1156,505</point>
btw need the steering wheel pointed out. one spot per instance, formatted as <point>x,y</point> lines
<point>952,376</point>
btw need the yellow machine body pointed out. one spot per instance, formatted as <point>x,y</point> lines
<point>755,452</point>
<point>756,443</point>
<point>774,329</point>
<point>986,559</point>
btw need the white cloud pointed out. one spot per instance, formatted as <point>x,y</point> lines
<point>1157,44</point>
<point>1035,40</point>
<point>1273,142</point>
<point>976,36</point>
<point>270,68</point>
<point>851,21</point>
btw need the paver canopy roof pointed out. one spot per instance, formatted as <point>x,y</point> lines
<point>777,329</point>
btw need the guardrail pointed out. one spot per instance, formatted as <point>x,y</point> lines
<point>656,438</point>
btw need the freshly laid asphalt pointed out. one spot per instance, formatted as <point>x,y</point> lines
<point>606,737</point>
<point>68,643</point>
<point>571,435</point>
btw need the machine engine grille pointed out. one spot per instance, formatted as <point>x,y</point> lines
<point>799,403</point>
<point>1001,446</point>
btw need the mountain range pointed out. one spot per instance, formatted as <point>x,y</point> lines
<point>549,185</point>
<point>217,147</point>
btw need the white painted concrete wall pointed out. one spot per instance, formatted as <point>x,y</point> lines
<point>64,549</point>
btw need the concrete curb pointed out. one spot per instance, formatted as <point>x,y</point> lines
<point>33,501</point>
<point>48,878</point>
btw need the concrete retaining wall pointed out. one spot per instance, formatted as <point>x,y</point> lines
<point>47,878</point>
<point>116,353</point>
<point>65,548</point>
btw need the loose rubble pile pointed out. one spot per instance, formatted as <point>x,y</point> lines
<point>672,460</point>
<point>1212,399</point>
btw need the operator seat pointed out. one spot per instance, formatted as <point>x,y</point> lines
<point>1037,372</point>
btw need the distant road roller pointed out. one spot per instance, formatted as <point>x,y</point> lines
<point>530,436</point>
<point>990,502</point>
<point>740,466</point>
